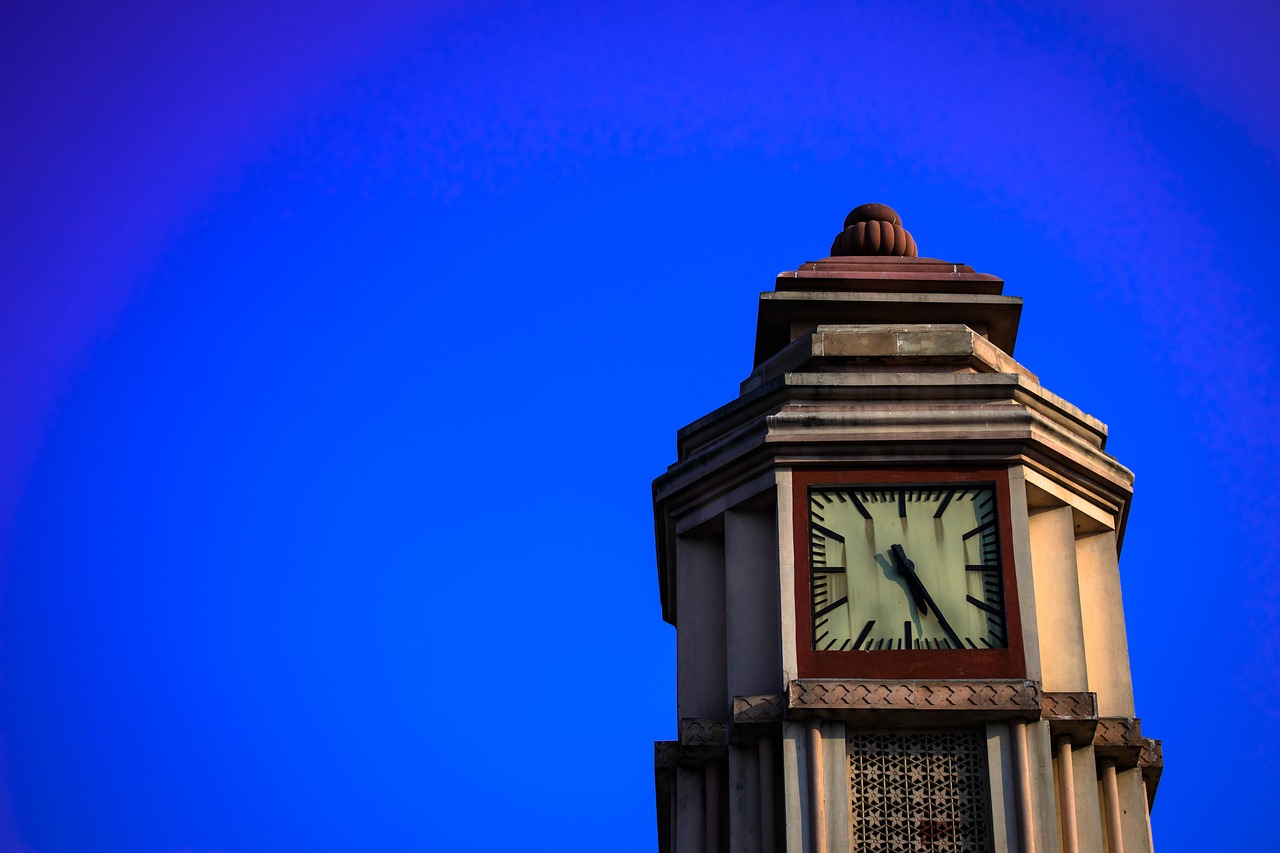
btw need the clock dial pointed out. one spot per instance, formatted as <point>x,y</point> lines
<point>905,567</point>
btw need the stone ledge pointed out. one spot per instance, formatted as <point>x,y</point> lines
<point>749,710</point>
<point>994,698</point>
<point>666,753</point>
<point>888,274</point>
<point>700,731</point>
<point>1072,714</point>
<point>781,312</point>
<point>1120,740</point>
<point>701,740</point>
<point>1151,760</point>
<point>888,347</point>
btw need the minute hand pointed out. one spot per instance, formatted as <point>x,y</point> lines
<point>908,570</point>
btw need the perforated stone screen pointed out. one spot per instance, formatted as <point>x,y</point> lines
<point>919,791</point>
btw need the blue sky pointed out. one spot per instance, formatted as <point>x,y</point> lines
<point>340,345</point>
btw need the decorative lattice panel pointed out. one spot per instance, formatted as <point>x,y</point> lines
<point>918,791</point>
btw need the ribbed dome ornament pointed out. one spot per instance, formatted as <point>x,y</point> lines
<point>874,229</point>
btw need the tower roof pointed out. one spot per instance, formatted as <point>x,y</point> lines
<point>873,276</point>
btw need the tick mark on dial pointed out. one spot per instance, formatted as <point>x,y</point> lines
<point>982,605</point>
<point>827,532</point>
<point>832,606</point>
<point>862,635</point>
<point>945,501</point>
<point>979,529</point>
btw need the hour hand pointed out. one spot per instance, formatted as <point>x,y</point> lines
<point>921,595</point>
<point>907,569</point>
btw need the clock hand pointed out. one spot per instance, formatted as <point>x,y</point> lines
<point>906,568</point>
<point>908,571</point>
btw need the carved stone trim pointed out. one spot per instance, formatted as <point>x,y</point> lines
<point>748,710</point>
<point>1069,706</point>
<point>701,731</point>
<point>1072,714</point>
<point>1119,739</point>
<point>702,739</point>
<point>1152,754</point>
<point>1151,760</point>
<point>1118,731</point>
<point>1005,698</point>
<point>666,754</point>
<point>701,742</point>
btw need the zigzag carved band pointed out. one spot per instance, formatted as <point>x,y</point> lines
<point>1120,740</point>
<point>701,731</point>
<point>1008,696</point>
<point>665,754</point>
<point>758,709</point>
<point>1069,706</point>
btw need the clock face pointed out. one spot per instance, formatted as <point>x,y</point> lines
<point>905,567</point>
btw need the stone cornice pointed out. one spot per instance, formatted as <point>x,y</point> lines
<point>1151,760</point>
<point>991,699</point>
<point>701,740</point>
<point>666,753</point>
<point>968,412</point>
<point>888,275</point>
<point>702,731</point>
<point>886,396</point>
<point>1069,706</point>
<point>759,710</point>
<point>1074,715</point>
<point>857,408</point>
<point>1120,740</point>
<point>869,347</point>
<point>853,390</point>
<point>996,317</point>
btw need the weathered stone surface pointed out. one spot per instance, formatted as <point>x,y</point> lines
<point>1120,740</point>
<point>945,403</point>
<point>1151,760</point>
<point>878,369</point>
<point>1069,706</point>
<point>936,347</point>
<point>701,740</point>
<point>701,732</point>
<point>1074,715</point>
<point>665,754</point>
<point>1018,697</point>
<point>758,709</point>
<point>785,315</point>
<point>888,275</point>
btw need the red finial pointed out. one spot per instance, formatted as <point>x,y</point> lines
<point>874,229</point>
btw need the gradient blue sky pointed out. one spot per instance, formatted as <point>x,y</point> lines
<point>339,345</point>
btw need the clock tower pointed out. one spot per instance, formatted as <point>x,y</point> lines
<point>892,565</point>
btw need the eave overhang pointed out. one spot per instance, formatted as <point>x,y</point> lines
<point>884,395</point>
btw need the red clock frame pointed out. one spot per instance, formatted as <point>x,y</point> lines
<point>945,664</point>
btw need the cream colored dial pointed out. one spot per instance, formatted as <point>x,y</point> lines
<point>905,567</point>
